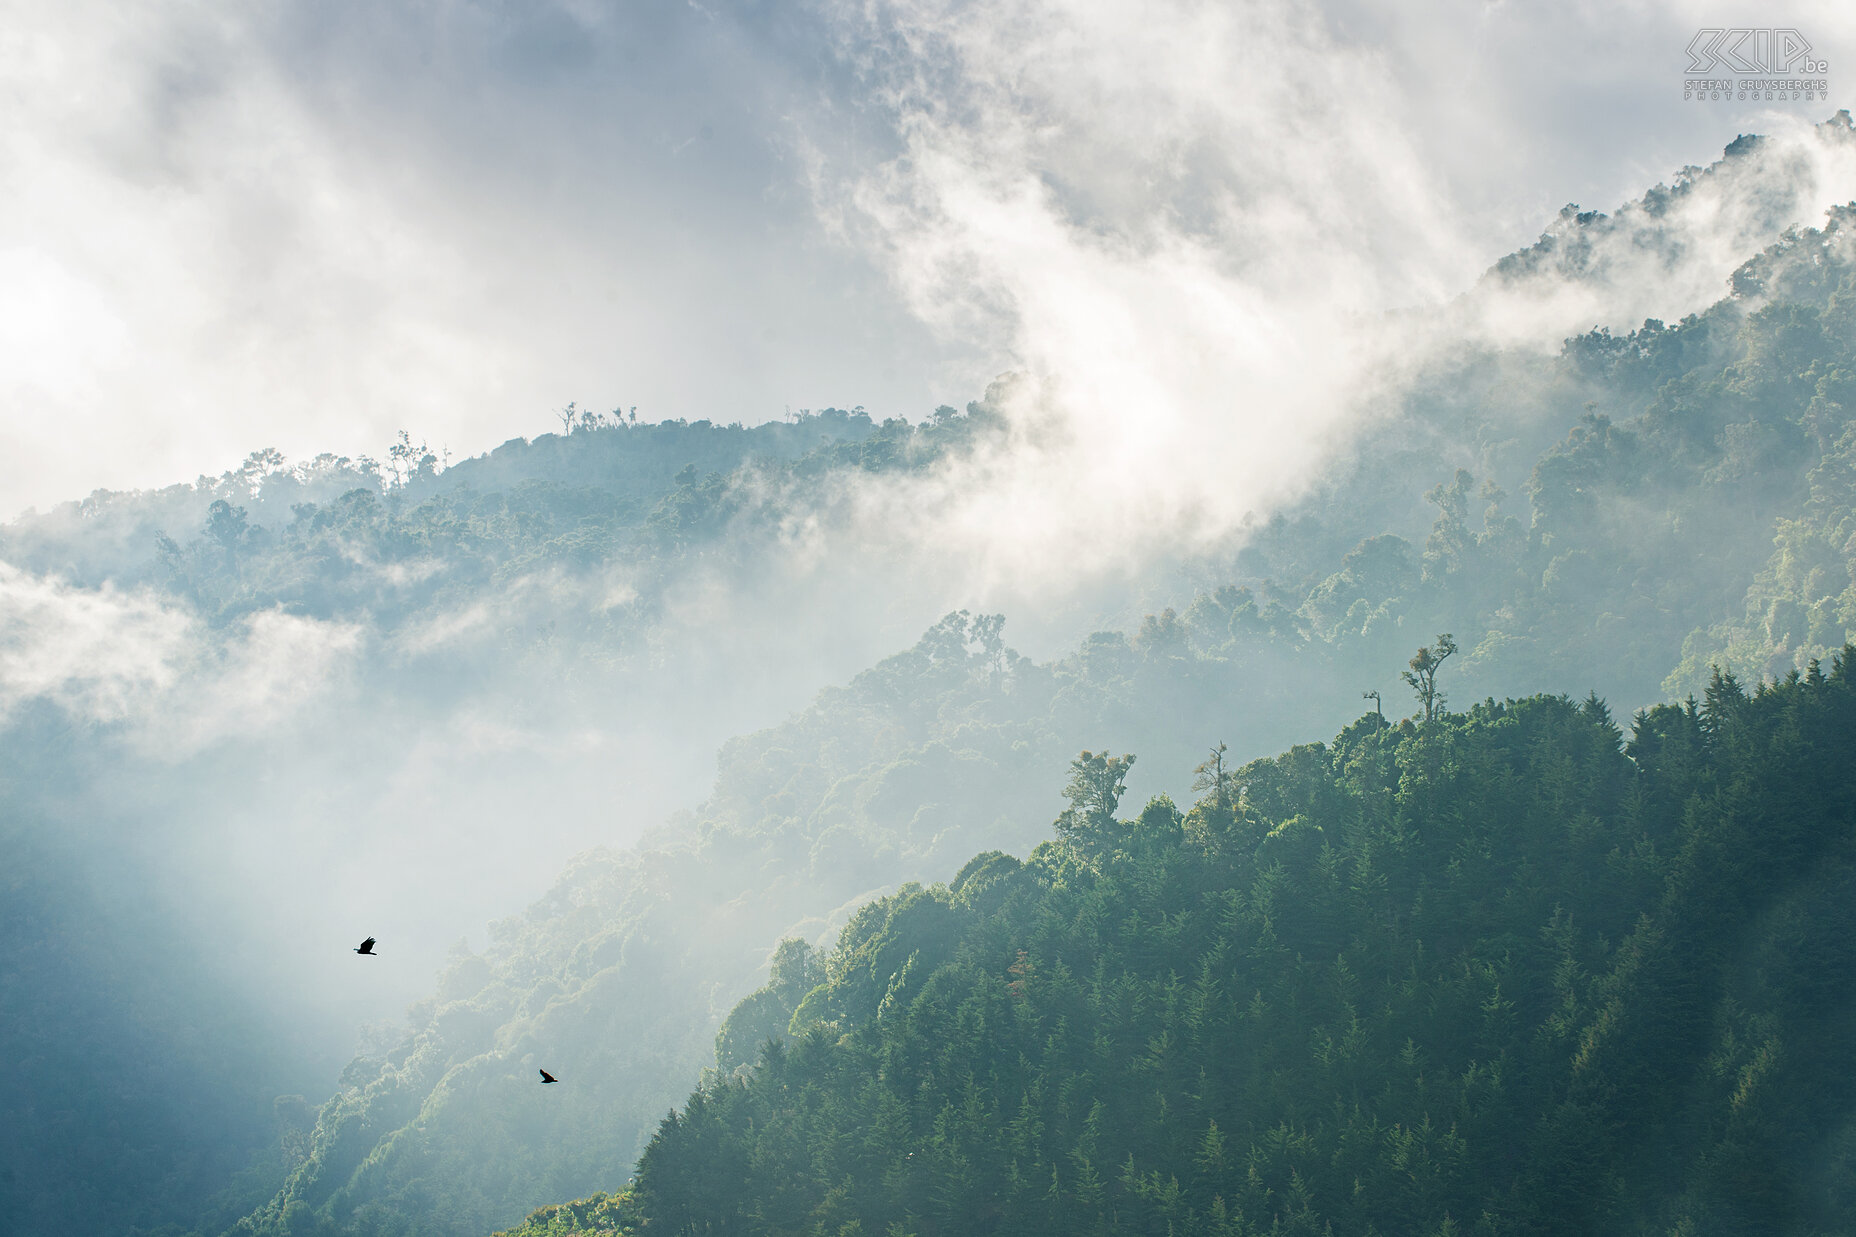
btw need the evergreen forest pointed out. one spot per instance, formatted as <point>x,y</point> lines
<point>1505,971</point>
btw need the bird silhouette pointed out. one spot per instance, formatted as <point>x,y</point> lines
<point>367,947</point>
<point>547,1078</point>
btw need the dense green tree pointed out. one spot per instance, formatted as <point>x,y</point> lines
<point>1503,973</point>
<point>1097,782</point>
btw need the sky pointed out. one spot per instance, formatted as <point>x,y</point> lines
<point>311,225</point>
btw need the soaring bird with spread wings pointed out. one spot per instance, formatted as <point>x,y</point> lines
<point>367,947</point>
<point>547,1078</point>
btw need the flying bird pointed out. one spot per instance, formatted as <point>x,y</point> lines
<point>367,947</point>
<point>547,1078</point>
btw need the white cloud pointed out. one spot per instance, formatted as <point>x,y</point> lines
<point>302,226</point>
<point>285,225</point>
<point>1180,222</point>
<point>135,660</point>
<point>100,654</point>
<point>1672,253</point>
<point>262,679</point>
<point>1184,224</point>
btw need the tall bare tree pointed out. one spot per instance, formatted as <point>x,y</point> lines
<point>1423,673</point>
<point>1212,776</point>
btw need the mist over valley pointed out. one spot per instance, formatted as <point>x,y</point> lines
<point>1297,706</point>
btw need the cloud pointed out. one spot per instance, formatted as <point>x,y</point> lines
<point>1185,226</point>
<point>215,264</point>
<point>140,662</point>
<point>101,655</point>
<point>308,226</point>
<point>262,679</point>
<point>1670,252</point>
<point>1176,262</point>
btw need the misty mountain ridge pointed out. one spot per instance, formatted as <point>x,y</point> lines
<point>811,790</point>
<point>1683,499</point>
<point>1673,245</point>
<point>1757,188</point>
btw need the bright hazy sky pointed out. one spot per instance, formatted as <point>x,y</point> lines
<point>311,224</point>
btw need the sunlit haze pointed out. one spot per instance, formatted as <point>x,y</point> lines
<point>651,511</point>
<point>309,226</point>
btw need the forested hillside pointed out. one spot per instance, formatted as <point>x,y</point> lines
<point>1496,972</point>
<point>1650,524</point>
<point>1698,499</point>
<point>1622,514</point>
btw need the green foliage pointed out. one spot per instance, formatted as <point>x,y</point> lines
<point>1211,775</point>
<point>768,1013</point>
<point>1097,782</point>
<point>602,1215</point>
<point>1503,974</point>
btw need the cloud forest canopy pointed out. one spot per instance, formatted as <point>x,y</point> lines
<point>1622,515</point>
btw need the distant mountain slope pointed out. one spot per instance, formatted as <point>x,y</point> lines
<point>1680,451</point>
<point>133,1066</point>
<point>1671,245</point>
<point>1701,460</point>
<point>108,535</point>
<point>260,535</point>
